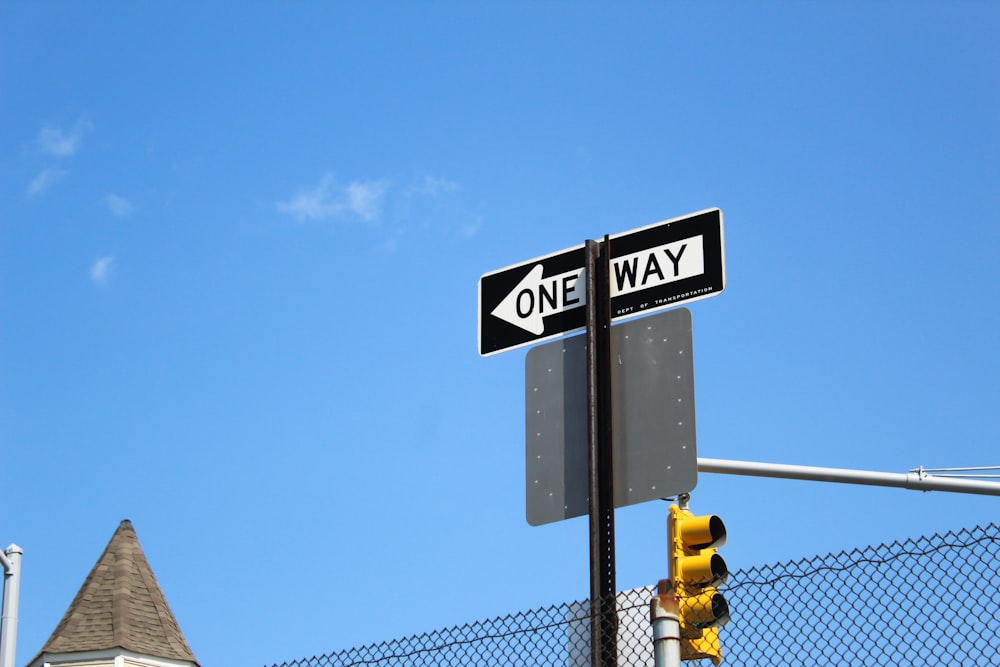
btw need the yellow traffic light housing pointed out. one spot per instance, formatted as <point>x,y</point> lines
<point>697,570</point>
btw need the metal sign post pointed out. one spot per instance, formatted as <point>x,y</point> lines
<point>653,268</point>
<point>603,612</point>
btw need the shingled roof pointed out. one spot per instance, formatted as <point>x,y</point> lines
<point>120,606</point>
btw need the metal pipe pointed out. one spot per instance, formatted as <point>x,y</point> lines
<point>916,481</point>
<point>665,615</point>
<point>11,593</point>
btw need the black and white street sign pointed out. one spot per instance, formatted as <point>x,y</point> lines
<point>654,267</point>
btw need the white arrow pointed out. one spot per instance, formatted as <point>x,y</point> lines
<point>535,298</point>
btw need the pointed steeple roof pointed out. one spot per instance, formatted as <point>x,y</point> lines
<point>120,606</point>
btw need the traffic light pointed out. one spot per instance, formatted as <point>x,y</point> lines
<point>697,571</point>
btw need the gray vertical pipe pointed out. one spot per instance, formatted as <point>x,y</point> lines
<point>11,560</point>
<point>665,616</point>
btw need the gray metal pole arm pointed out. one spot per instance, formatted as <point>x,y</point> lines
<point>917,481</point>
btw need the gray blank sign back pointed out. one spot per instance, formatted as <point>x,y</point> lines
<point>652,379</point>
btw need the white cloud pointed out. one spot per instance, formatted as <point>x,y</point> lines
<point>45,179</point>
<point>422,206</point>
<point>470,229</point>
<point>313,203</point>
<point>100,270</point>
<point>433,186</point>
<point>365,199</point>
<point>435,199</point>
<point>330,200</point>
<point>55,142</point>
<point>119,205</point>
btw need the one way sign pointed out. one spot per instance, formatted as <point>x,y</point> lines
<point>652,268</point>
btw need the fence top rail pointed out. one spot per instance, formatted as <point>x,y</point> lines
<point>799,612</point>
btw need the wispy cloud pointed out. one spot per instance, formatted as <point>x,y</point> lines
<point>58,143</point>
<point>436,198</point>
<point>365,199</point>
<point>410,210</point>
<point>470,229</point>
<point>329,200</point>
<point>45,179</point>
<point>432,186</point>
<point>119,205</point>
<point>100,270</point>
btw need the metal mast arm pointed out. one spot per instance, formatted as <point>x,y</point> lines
<point>919,480</point>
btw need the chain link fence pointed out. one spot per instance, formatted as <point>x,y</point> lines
<point>926,601</point>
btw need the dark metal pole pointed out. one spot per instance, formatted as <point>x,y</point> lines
<point>603,612</point>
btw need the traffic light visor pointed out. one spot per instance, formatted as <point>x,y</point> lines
<point>703,532</point>
<point>704,570</point>
<point>707,609</point>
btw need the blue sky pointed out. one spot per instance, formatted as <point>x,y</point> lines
<point>239,252</point>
